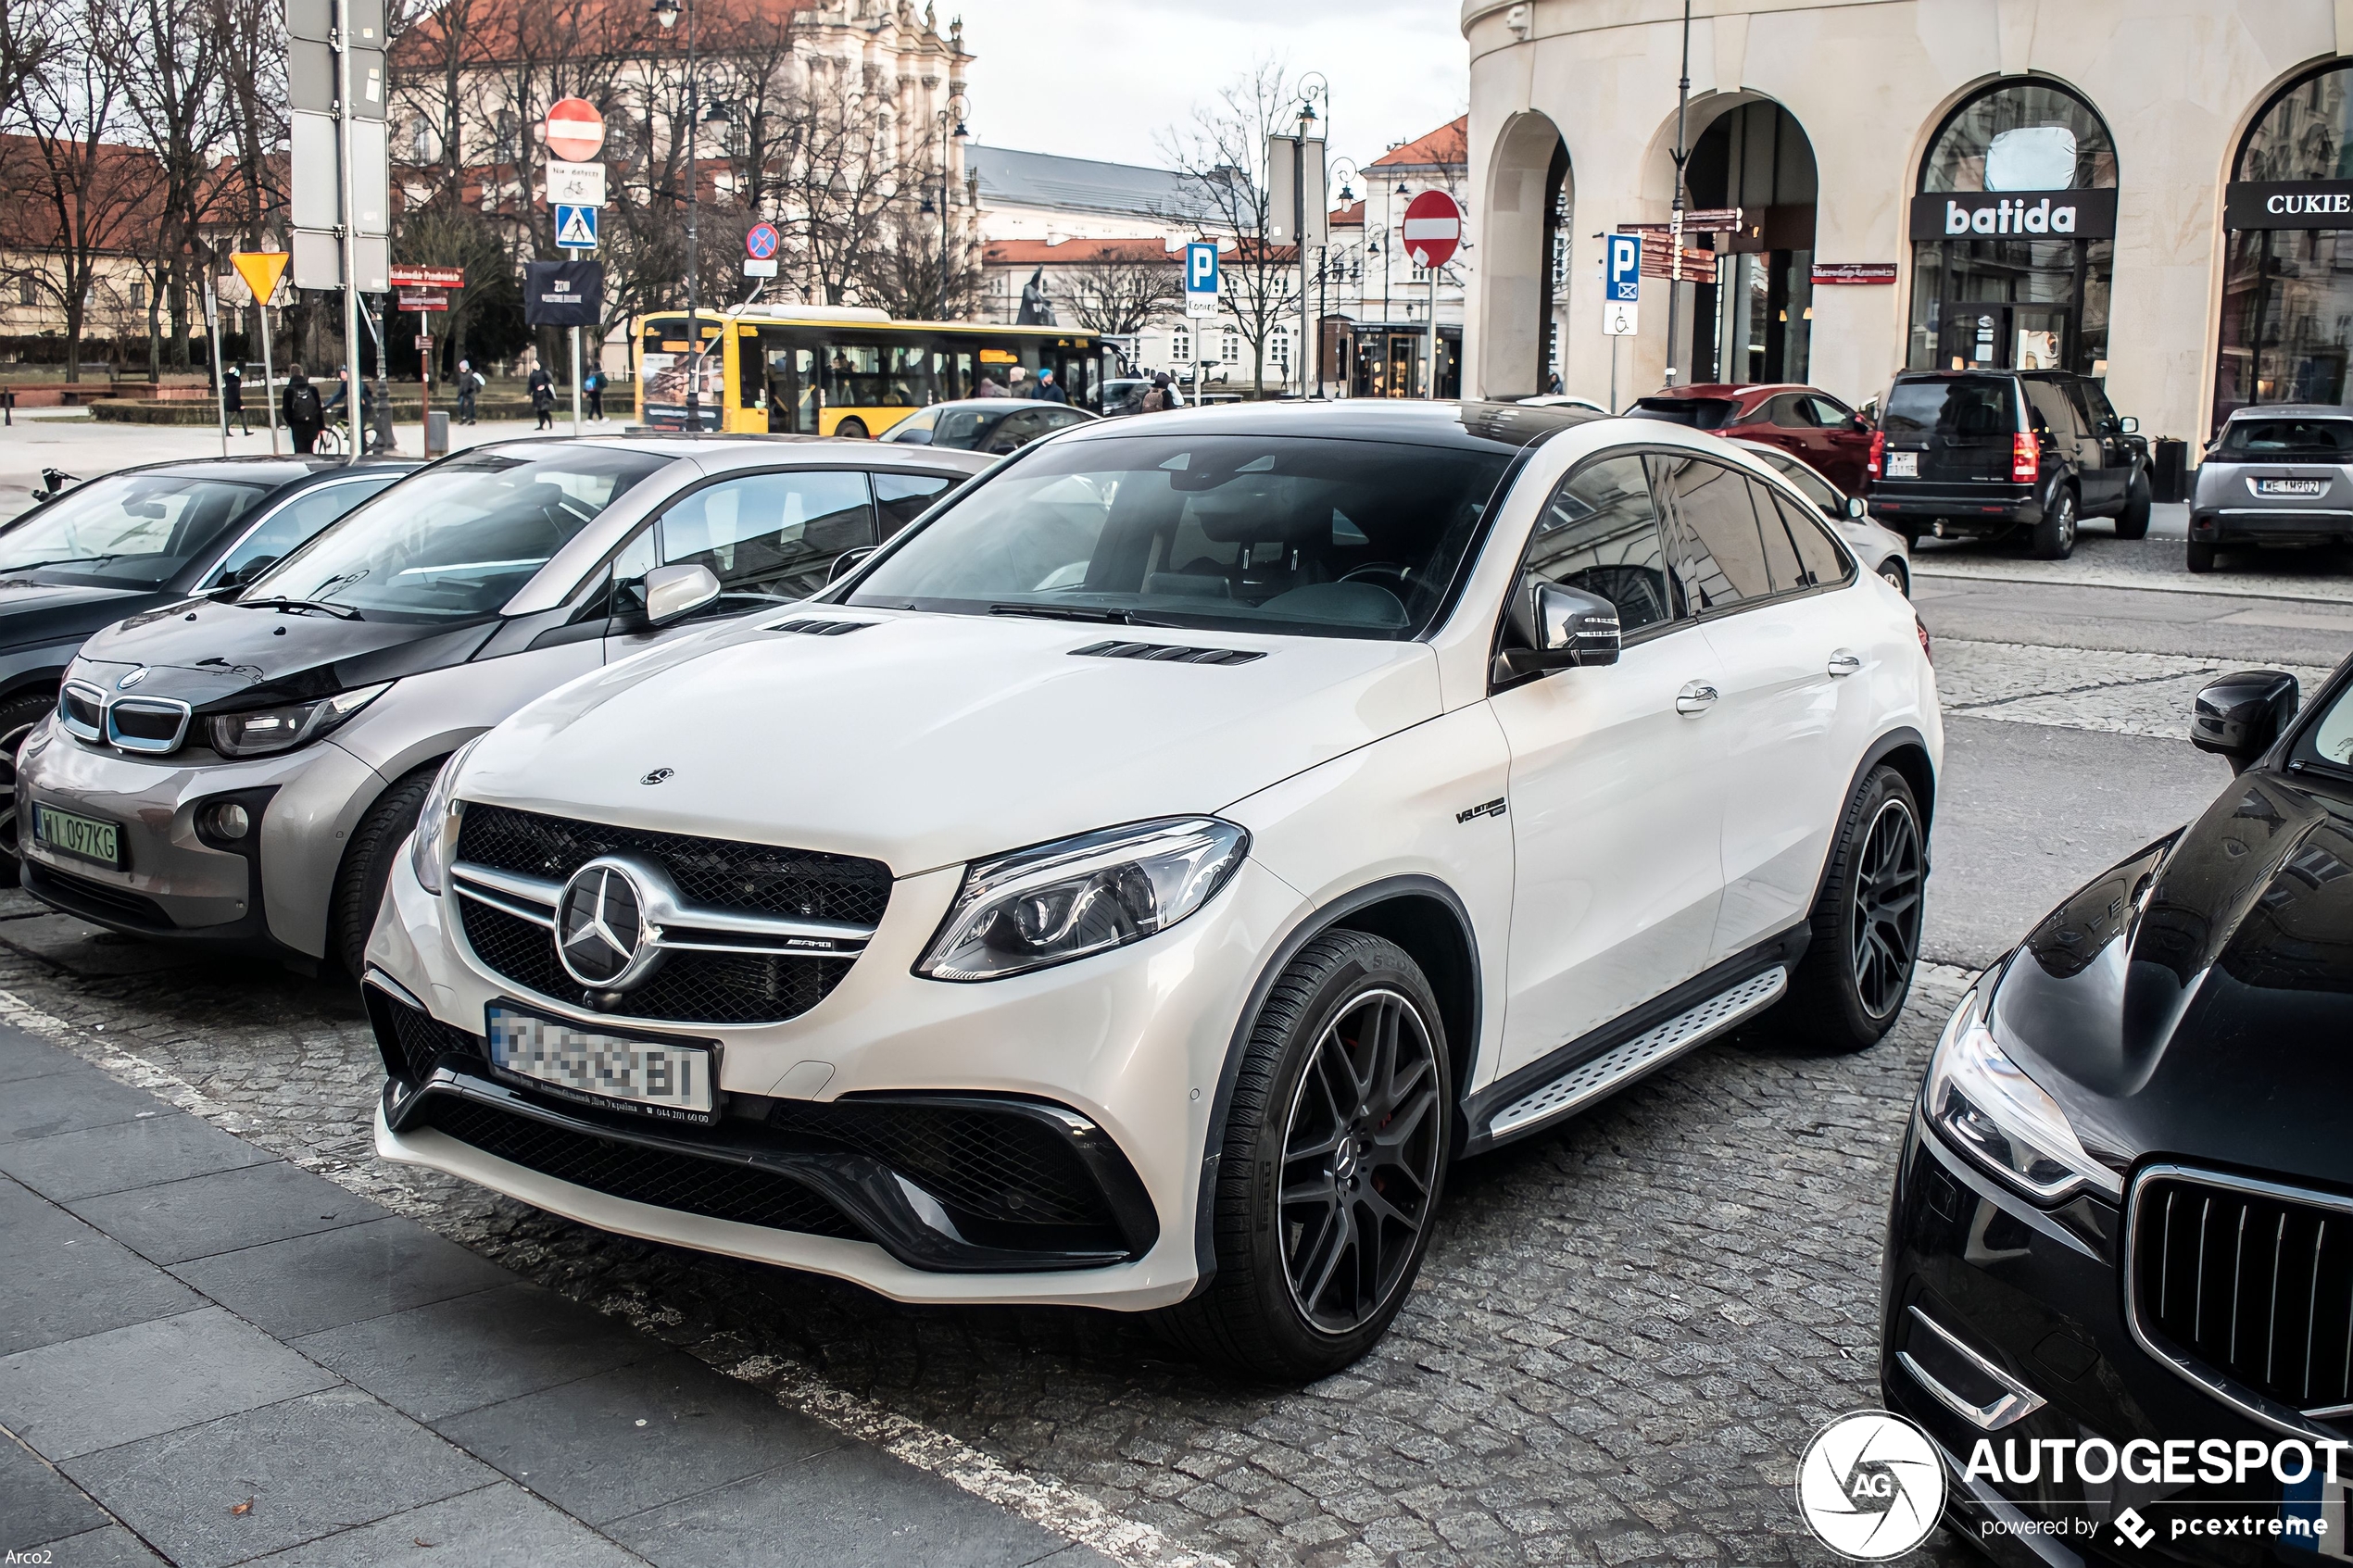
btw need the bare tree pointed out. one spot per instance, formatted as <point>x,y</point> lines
<point>1121,291</point>
<point>171,92</point>
<point>1219,158</point>
<point>68,188</point>
<point>846,195</point>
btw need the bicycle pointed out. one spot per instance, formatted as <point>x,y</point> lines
<point>327,443</point>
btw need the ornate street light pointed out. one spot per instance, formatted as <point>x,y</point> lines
<point>667,12</point>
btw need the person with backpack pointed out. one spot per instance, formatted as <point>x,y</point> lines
<point>469,382</point>
<point>593,384</point>
<point>543,396</point>
<point>232,397</point>
<point>1155,395</point>
<point>304,414</point>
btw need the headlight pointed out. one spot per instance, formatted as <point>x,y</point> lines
<point>267,730</point>
<point>1981,1100</point>
<point>1063,901</point>
<point>437,822</point>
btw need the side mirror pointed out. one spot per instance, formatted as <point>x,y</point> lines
<point>919,436</point>
<point>2241,715</point>
<point>673,591</point>
<point>1856,508</point>
<point>2128,426</point>
<point>1573,629</point>
<point>847,562</point>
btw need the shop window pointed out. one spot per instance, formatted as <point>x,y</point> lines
<point>2013,234</point>
<point>2287,291</point>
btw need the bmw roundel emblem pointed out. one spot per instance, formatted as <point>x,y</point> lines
<point>132,680</point>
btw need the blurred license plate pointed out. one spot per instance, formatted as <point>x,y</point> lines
<point>660,1077</point>
<point>2290,486</point>
<point>85,837</point>
<point>1903,465</point>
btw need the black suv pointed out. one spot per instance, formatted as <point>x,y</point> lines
<point>1975,454</point>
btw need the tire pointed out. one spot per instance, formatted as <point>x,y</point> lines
<point>1892,569</point>
<point>367,867</point>
<point>851,428</point>
<point>18,715</point>
<point>1850,986</point>
<point>2133,522</point>
<point>2201,556</point>
<point>2055,536</point>
<point>1297,1294</point>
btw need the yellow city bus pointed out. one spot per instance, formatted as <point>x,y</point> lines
<point>816,370</point>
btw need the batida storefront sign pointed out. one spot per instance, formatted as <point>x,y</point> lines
<point>2014,215</point>
<point>2302,204</point>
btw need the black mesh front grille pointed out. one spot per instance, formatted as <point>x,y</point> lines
<point>689,987</point>
<point>2257,1286</point>
<point>999,1166</point>
<point>712,874</point>
<point>667,1180</point>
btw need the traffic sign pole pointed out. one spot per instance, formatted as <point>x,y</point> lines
<point>1433,232</point>
<point>350,234</point>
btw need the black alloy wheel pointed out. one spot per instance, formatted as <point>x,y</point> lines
<point>1330,1165</point>
<point>1865,940</point>
<point>1360,1160</point>
<point>1890,877</point>
<point>17,717</point>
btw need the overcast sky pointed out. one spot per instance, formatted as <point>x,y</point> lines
<point>1101,78</point>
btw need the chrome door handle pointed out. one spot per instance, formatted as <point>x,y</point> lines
<point>1697,697</point>
<point>1845,662</point>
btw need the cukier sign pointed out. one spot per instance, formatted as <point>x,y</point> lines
<point>2303,204</point>
<point>2014,214</point>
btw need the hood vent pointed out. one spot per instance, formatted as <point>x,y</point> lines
<point>821,628</point>
<point>1162,654</point>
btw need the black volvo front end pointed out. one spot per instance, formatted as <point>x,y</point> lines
<point>2118,1289</point>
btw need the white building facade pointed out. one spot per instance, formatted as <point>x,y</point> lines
<point>2135,189</point>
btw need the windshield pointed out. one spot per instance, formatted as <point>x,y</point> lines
<point>1965,408</point>
<point>456,541</point>
<point>1700,413</point>
<point>1261,534</point>
<point>129,530</point>
<point>2277,439</point>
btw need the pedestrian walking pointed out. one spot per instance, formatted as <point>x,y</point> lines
<point>1019,375</point>
<point>469,382</point>
<point>594,385</point>
<point>232,397</point>
<point>304,415</point>
<point>543,396</point>
<point>1047,391</point>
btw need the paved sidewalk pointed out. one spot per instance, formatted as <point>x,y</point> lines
<point>212,1356</point>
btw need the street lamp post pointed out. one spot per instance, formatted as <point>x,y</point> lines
<point>1675,225</point>
<point>1311,87</point>
<point>952,111</point>
<point>667,12</point>
<point>1345,169</point>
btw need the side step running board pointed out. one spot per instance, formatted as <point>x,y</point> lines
<point>1587,1081</point>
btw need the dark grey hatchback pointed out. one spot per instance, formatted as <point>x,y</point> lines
<point>1978,454</point>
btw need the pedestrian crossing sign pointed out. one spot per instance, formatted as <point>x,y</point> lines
<point>576,228</point>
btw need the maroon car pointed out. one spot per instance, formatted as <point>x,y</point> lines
<point>1804,421</point>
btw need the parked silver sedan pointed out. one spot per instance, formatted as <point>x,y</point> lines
<point>1879,549</point>
<point>2281,474</point>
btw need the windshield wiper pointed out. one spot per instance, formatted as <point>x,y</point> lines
<point>64,560</point>
<point>1080,612</point>
<point>341,612</point>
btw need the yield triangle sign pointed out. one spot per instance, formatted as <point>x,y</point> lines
<point>576,228</point>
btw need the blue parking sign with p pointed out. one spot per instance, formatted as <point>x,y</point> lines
<point>1201,268</point>
<point>1626,268</point>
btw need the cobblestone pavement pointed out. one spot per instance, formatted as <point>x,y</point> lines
<point>2102,560</point>
<point>2133,693</point>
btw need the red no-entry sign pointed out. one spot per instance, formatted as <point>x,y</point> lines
<point>575,131</point>
<point>1434,228</point>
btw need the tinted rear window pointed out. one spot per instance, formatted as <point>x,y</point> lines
<point>1965,408</point>
<point>1700,413</point>
<point>2265,439</point>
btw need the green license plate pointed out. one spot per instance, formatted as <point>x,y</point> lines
<point>83,837</point>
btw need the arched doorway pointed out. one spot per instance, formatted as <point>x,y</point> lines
<point>1523,263</point>
<point>2013,233</point>
<point>2287,273</point>
<point>1753,322</point>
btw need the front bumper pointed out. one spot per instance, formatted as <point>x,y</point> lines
<point>268,894</point>
<point>1118,1056</point>
<point>2036,1295</point>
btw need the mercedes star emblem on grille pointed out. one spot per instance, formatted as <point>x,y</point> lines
<point>602,936</point>
<point>657,775</point>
